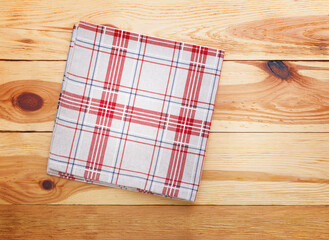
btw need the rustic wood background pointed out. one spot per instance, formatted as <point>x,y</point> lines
<point>269,143</point>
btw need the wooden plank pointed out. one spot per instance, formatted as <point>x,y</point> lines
<point>165,222</point>
<point>253,96</point>
<point>240,168</point>
<point>247,30</point>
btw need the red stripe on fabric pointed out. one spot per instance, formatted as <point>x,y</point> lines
<point>96,136</point>
<point>155,93</point>
<point>129,120</point>
<point>181,158</point>
<point>172,163</point>
<point>107,95</point>
<point>66,175</point>
<point>90,28</point>
<point>137,116</point>
<point>63,104</point>
<point>163,104</point>
<point>113,75</point>
<point>149,61</point>
<point>177,164</point>
<point>132,36</point>
<point>116,76</point>
<point>160,42</point>
<point>88,168</point>
<point>74,96</point>
<point>84,92</point>
<point>196,89</point>
<point>146,114</point>
<point>211,51</point>
<point>123,169</point>
<point>96,109</point>
<point>196,92</point>
<point>112,136</point>
<point>220,55</point>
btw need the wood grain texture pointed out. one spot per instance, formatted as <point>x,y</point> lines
<point>247,30</point>
<point>253,96</point>
<point>165,222</point>
<point>240,168</point>
<point>275,80</point>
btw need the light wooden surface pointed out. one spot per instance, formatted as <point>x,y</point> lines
<point>167,222</point>
<point>269,141</point>
<point>246,29</point>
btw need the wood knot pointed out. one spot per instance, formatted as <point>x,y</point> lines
<point>47,184</point>
<point>279,69</point>
<point>26,40</point>
<point>29,101</point>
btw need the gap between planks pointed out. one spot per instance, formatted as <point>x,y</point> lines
<point>165,222</point>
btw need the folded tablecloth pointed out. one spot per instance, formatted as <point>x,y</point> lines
<point>134,111</point>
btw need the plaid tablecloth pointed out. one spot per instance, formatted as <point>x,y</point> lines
<point>134,111</point>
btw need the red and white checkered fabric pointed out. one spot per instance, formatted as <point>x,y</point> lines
<point>134,111</point>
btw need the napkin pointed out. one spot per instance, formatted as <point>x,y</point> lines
<point>134,111</point>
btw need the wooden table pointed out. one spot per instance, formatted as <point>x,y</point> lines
<point>266,173</point>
